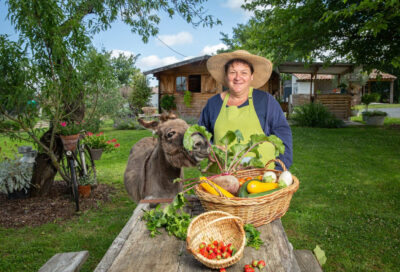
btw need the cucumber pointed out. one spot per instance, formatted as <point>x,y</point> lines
<point>263,193</point>
<point>243,189</point>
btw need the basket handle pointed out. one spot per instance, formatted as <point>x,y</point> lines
<point>240,221</point>
<point>275,160</point>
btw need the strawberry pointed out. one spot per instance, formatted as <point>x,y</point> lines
<point>225,255</point>
<point>220,245</point>
<point>212,255</point>
<point>261,264</point>
<point>205,254</point>
<point>223,249</point>
<point>254,263</point>
<point>215,243</point>
<point>215,250</point>
<point>202,245</point>
<point>219,257</point>
<point>249,269</point>
<point>222,270</point>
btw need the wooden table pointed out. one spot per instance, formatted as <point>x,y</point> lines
<point>135,250</point>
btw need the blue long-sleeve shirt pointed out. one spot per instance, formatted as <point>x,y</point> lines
<point>269,114</point>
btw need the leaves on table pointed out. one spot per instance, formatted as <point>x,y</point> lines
<point>252,236</point>
<point>172,218</point>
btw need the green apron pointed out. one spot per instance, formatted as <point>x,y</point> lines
<point>246,120</point>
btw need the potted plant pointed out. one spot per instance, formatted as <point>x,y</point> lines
<point>85,186</point>
<point>69,133</point>
<point>98,143</point>
<point>15,178</point>
<point>368,99</point>
<point>374,118</point>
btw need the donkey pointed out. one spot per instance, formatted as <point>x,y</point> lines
<point>154,162</point>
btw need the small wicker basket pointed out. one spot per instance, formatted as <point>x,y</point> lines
<point>257,211</point>
<point>220,226</point>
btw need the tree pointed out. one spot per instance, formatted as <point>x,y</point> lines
<point>57,36</point>
<point>124,67</point>
<point>141,93</point>
<point>364,32</point>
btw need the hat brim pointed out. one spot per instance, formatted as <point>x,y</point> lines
<point>262,66</point>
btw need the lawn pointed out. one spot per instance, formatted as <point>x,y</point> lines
<point>377,106</point>
<point>347,204</point>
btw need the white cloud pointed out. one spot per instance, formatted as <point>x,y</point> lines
<point>153,61</point>
<point>175,39</point>
<point>236,5</point>
<point>212,49</point>
<point>115,53</point>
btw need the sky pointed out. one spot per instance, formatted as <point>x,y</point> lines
<point>182,37</point>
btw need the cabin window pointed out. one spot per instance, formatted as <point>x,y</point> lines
<point>180,83</point>
<point>195,83</point>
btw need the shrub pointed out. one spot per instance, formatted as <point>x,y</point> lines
<point>374,113</point>
<point>369,98</point>
<point>15,176</point>
<point>315,115</point>
<point>167,102</point>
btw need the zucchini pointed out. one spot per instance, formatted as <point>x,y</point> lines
<point>263,193</point>
<point>243,189</point>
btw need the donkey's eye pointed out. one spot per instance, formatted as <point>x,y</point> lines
<point>170,134</point>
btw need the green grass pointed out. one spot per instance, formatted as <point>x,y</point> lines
<point>377,106</point>
<point>347,204</point>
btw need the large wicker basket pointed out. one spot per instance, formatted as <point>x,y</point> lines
<point>216,225</point>
<point>257,211</point>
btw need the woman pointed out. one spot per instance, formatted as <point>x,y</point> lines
<point>241,107</point>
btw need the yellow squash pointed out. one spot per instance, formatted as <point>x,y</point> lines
<point>259,187</point>
<point>211,190</point>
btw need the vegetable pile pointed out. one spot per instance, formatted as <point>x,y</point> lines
<point>229,158</point>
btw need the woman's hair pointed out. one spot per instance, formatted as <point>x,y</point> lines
<point>232,61</point>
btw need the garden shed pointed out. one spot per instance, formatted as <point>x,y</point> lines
<point>192,75</point>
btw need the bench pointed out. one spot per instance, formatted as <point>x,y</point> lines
<point>65,262</point>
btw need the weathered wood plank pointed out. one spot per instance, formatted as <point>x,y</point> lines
<point>120,240</point>
<point>306,260</point>
<point>167,253</point>
<point>65,262</point>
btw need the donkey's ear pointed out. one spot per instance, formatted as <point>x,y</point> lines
<point>168,116</point>
<point>149,124</point>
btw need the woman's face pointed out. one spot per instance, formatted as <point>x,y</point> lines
<point>239,78</point>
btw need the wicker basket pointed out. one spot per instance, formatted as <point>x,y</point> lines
<point>220,226</point>
<point>257,211</point>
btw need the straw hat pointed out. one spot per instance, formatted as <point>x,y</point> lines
<point>262,66</point>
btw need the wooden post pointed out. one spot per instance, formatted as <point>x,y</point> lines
<point>311,88</point>
<point>391,92</point>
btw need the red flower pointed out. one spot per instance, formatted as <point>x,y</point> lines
<point>101,133</point>
<point>108,142</point>
<point>63,124</point>
<point>117,145</point>
<point>89,134</point>
<point>114,140</point>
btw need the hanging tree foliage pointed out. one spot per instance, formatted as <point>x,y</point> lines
<point>47,65</point>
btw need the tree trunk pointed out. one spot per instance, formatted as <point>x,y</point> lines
<point>43,170</point>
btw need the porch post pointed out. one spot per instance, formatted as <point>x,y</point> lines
<point>391,92</point>
<point>311,87</point>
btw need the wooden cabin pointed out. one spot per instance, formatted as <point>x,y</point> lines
<point>192,75</point>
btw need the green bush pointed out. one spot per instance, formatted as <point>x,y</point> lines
<point>374,113</point>
<point>167,102</point>
<point>315,115</point>
<point>369,98</point>
<point>187,98</point>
